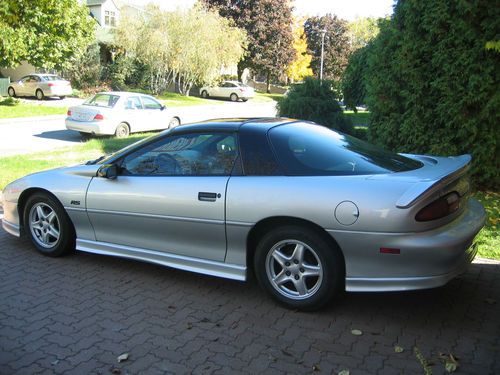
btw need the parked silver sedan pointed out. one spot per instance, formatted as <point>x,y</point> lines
<point>40,86</point>
<point>120,113</point>
<point>310,210</point>
<point>232,90</point>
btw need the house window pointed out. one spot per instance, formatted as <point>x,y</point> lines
<point>109,18</point>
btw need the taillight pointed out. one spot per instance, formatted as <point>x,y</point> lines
<point>242,90</point>
<point>98,117</point>
<point>68,113</point>
<point>441,207</point>
<point>51,84</point>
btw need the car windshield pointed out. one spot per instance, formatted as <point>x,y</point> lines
<point>51,78</point>
<point>306,150</point>
<point>102,100</point>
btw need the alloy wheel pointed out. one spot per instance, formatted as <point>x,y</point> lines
<point>44,225</point>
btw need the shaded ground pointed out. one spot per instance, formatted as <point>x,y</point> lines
<point>77,314</point>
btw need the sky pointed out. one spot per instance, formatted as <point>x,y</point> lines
<point>346,9</point>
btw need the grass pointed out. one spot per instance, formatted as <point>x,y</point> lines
<point>26,110</point>
<point>13,167</point>
<point>261,97</point>
<point>359,118</point>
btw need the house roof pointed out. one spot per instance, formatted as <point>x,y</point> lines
<point>95,2</point>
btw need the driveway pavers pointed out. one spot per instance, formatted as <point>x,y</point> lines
<point>77,314</point>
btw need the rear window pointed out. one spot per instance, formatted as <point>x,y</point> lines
<point>52,78</point>
<point>305,150</point>
<point>102,100</point>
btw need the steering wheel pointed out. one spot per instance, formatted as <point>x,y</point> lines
<point>166,164</point>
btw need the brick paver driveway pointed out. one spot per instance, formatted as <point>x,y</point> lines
<point>77,314</point>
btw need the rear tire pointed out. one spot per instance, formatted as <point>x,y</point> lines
<point>11,92</point>
<point>233,97</point>
<point>48,225</point>
<point>122,130</point>
<point>204,94</point>
<point>39,94</point>
<point>62,97</point>
<point>85,136</point>
<point>299,267</point>
<point>174,121</point>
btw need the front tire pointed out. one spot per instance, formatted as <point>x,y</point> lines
<point>233,97</point>
<point>48,225</point>
<point>204,94</point>
<point>299,267</point>
<point>62,97</point>
<point>39,94</point>
<point>11,92</point>
<point>122,130</point>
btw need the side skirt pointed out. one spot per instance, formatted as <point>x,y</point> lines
<point>203,266</point>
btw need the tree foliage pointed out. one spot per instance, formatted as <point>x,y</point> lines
<point>184,46</point>
<point>268,24</point>
<point>85,69</point>
<point>336,49</point>
<point>314,101</point>
<point>432,86</point>
<point>45,33</point>
<point>354,78</point>
<point>361,31</point>
<point>299,68</point>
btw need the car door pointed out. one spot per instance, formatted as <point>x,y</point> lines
<point>154,115</point>
<point>169,196</point>
<point>21,87</point>
<point>31,85</point>
<point>133,113</point>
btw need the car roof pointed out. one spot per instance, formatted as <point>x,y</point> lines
<point>124,93</point>
<point>234,124</point>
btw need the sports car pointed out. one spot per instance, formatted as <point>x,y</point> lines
<point>310,211</point>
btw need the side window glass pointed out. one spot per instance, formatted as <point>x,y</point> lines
<point>258,159</point>
<point>184,155</point>
<point>133,103</point>
<point>150,103</point>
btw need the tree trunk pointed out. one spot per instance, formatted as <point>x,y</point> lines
<point>240,68</point>
<point>268,83</point>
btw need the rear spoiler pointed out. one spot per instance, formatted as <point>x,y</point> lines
<point>424,189</point>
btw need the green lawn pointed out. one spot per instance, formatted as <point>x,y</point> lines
<point>13,167</point>
<point>25,110</point>
<point>261,97</point>
<point>359,118</point>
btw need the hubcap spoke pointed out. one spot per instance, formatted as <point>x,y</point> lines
<point>280,258</point>
<point>310,270</point>
<point>54,232</point>
<point>301,287</point>
<point>50,217</point>
<point>40,213</point>
<point>281,278</point>
<point>298,252</point>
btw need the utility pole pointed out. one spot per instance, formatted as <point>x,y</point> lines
<point>323,33</point>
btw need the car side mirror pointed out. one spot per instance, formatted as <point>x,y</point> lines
<point>163,107</point>
<point>109,171</point>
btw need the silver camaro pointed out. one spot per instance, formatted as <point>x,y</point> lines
<point>311,211</point>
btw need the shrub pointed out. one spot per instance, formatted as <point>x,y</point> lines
<point>315,101</point>
<point>10,102</point>
<point>432,85</point>
<point>86,70</point>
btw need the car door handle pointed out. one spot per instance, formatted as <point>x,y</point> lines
<point>207,197</point>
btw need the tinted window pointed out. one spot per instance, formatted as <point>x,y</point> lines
<point>305,149</point>
<point>184,155</point>
<point>103,100</point>
<point>133,103</point>
<point>258,158</point>
<point>52,78</point>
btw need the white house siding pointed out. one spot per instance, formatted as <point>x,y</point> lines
<point>18,72</point>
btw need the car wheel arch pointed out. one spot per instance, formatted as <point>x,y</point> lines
<point>26,194</point>
<point>263,227</point>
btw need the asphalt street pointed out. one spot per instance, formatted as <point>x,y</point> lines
<point>25,135</point>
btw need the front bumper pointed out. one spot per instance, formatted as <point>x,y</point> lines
<point>426,260</point>
<point>10,219</point>
<point>91,127</point>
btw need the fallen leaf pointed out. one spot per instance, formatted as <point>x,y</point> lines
<point>344,372</point>
<point>286,353</point>
<point>398,349</point>
<point>189,325</point>
<point>122,357</point>
<point>357,332</point>
<point>54,362</point>
<point>316,368</point>
<point>115,371</point>
<point>450,362</point>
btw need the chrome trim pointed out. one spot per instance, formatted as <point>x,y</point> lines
<point>239,223</point>
<point>75,209</point>
<point>13,229</point>
<point>153,216</point>
<point>207,267</point>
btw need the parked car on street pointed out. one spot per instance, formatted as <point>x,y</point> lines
<point>311,211</point>
<point>232,90</point>
<point>40,86</point>
<point>120,113</point>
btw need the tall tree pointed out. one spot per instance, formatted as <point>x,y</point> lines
<point>45,33</point>
<point>362,31</point>
<point>184,46</point>
<point>299,68</point>
<point>269,28</point>
<point>336,47</point>
<point>432,86</point>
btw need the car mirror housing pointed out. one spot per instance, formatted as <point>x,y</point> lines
<point>109,171</point>
<point>163,107</point>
